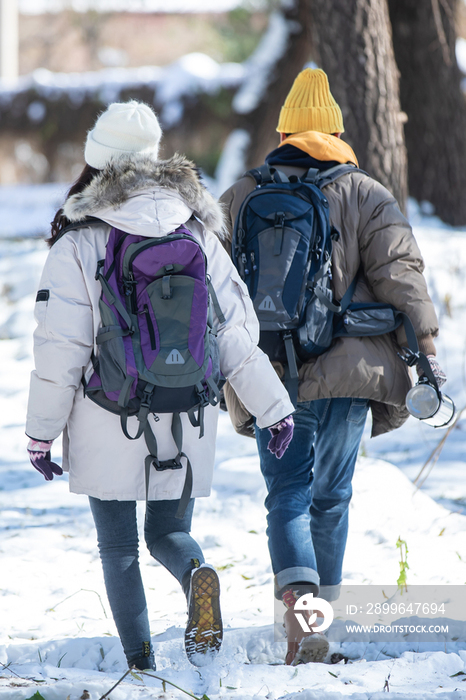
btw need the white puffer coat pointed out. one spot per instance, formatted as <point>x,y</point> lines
<point>148,198</point>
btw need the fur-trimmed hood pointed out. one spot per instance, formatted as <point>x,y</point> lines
<point>135,192</point>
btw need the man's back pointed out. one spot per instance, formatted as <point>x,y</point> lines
<point>309,490</point>
<point>375,243</point>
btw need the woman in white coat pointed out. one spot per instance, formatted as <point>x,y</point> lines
<point>125,186</point>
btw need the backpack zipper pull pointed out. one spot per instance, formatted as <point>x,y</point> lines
<point>253,261</point>
<point>244,260</point>
<point>129,284</point>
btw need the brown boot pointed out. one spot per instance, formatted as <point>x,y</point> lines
<point>303,647</point>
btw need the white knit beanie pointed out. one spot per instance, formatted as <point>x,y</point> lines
<point>124,128</point>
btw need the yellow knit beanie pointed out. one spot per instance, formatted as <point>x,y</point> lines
<point>310,106</point>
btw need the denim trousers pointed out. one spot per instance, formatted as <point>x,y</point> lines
<point>168,541</point>
<point>309,491</point>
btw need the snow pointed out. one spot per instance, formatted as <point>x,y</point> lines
<point>27,210</point>
<point>57,636</point>
<point>189,75</point>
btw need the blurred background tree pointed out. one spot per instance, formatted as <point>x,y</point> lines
<point>353,44</point>
<point>424,40</point>
<point>387,61</point>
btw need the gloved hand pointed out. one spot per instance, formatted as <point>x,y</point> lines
<point>282,434</point>
<point>39,454</point>
<point>437,371</point>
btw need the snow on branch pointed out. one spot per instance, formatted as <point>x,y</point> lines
<point>259,67</point>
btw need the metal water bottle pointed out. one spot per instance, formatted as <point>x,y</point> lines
<point>426,402</point>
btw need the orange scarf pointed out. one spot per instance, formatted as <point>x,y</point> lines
<point>322,146</point>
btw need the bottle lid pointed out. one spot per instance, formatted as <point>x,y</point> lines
<point>422,401</point>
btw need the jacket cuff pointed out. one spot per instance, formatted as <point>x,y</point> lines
<point>426,345</point>
<point>38,439</point>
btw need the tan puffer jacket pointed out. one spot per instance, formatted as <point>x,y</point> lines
<point>376,239</point>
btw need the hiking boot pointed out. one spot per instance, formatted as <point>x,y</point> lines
<point>303,647</point>
<point>312,649</point>
<point>204,631</point>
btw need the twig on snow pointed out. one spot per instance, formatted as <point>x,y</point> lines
<point>151,675</point>
<point>7,668</point>
<point>86,590</point>
<point>114,686</point>
<point>164,680</point>
<point>436,452</point>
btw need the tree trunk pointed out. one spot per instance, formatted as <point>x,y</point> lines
<point>430,87</point>
<point>261,122</point>
<point>353,44</point>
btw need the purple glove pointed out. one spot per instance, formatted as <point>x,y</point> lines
<point>282,433</point>
<point>39,454</point>
<point>437,371</point>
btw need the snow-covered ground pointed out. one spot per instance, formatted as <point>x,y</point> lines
<point>57,637</point>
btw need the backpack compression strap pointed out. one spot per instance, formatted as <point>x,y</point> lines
<point>144,408</point>
<point>337,308</point>
<point>112,299</point>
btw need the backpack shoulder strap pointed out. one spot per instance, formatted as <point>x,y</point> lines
<point>265,174</point>
<point>261,175</point>
<point>88,221</point>
<point>321,178</point>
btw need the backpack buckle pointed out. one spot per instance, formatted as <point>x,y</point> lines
<point>203,394</point>
<point>162,465</point>
<point>410,357</point>
<point>146,397</point>
<point>280,218</point>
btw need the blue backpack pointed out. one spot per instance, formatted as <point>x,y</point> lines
<point>282,247</point>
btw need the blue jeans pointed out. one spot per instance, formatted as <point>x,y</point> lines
<point>168,541</point>
<point>309,491</point>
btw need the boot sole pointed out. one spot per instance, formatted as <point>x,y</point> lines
<point>204,631</point>
<point>313,649</point>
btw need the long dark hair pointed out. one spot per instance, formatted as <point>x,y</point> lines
<point>60,221</point>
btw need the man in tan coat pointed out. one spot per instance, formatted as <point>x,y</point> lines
<point>309,490</point>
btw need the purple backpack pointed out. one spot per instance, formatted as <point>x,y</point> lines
<point>157,346</point>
